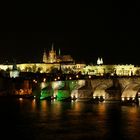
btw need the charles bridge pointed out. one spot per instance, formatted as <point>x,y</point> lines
<point>116,87</point>
<point>111,87</point>
<point>106,87</point>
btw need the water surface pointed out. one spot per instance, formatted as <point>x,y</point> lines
<point>40,120</point>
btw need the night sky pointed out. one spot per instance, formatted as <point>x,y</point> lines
<point>86,32</point>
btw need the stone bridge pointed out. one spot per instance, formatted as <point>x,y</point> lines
<point>116,87</point>
<point>112,88</point>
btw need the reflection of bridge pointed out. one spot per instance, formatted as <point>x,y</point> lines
<point>118,88</point>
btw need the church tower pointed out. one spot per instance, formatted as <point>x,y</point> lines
<point>101,60</point>
<point>52,55</point>
<point>59,52</point>
<point>98,61</point>
<point>14,72</point>
<point>45,56</point>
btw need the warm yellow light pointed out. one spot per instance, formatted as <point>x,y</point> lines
<point>89,76</point>
<point>35,81</point>
<point>44,80</point>
<point>20,99</point>
<point>72,96</point>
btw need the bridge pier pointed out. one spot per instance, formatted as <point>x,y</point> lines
<point>113,93</point>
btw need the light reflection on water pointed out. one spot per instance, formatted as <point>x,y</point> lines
<point>68,120</point>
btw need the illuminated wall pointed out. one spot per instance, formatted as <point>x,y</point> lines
<point>120,70</point>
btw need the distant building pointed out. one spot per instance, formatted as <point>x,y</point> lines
<point>99,61</point>
<point>53,57</point>
<point>120,70</point>
<point>52,62</point>
<point>14,72</point>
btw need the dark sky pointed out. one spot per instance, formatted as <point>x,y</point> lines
<point>86,31</point>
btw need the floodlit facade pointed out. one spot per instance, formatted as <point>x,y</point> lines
<point>53,57</point>
<point>120,70</point>
<point>52,61</point>
<point>99,70</point>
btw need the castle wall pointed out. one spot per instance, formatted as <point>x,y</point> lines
<point>120,70</point>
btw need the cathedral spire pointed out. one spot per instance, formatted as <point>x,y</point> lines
<point>44,56</point>
<point>101,60</point>
<point>52,47</point>
<point>59,52</point>
<point>14,65</point>
<point>98,61</point>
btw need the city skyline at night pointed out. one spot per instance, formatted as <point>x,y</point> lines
<point>70,70</point>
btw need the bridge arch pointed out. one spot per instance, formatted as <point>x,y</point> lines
<point>130,91</point>
<point>99,91</point>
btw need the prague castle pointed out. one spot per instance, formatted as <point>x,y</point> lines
<point>53,61</point>
<point>52,57</point>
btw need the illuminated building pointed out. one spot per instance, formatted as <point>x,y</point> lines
<point>52,57</point>
<point>120,70</point>
<point>99,61</point>
<point>14,72</point>
<point>53,61</point>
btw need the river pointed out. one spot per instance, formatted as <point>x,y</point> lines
<point>40,120</point>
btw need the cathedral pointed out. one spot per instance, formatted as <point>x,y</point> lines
<point>53,57</point>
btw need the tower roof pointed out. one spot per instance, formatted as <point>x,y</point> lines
<point>52,49</point>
